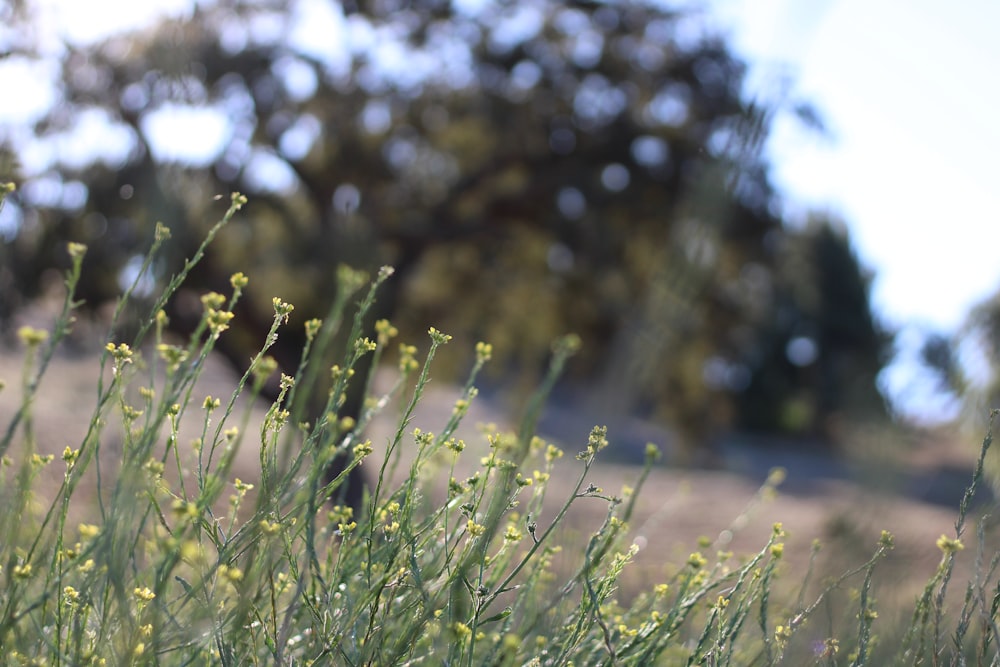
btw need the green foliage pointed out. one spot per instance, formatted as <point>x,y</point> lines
<point>598,171</point>
<point>172,573</point>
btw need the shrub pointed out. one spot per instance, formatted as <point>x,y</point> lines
<point>170,571</point>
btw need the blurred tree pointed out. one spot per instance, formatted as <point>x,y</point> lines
<point>967,362</point>
<point>818,356</point>
<point>528,167</point>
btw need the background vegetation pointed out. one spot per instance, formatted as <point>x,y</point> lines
<point>530,169</point>
<point>164,568</point>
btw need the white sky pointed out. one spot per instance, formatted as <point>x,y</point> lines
<point>908,91</point>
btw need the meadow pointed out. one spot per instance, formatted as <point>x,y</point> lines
<point>157,513</point>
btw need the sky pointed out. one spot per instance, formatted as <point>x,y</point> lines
<point>907,90</point>
<point>908,163</point>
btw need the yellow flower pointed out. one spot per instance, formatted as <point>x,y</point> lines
<point>32,337</point>
<point>144,594</point>
<point>88,531</point>
<point>696,561</point>
<point>949,545</point>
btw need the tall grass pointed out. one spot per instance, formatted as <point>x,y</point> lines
<point>184,564</point>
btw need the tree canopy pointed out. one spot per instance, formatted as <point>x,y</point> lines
<point>529,167</point>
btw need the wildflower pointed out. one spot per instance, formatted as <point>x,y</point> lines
<point>269,527</point>
<point>567,345</point>
<point>886,541</point>
<point>340,513</point>
<point>212,301</point>
<point>512,534</point>
<point>174,356</point>
<point>696,561</point>
<point>70,595</point>
<point>336,372</point>
<point>32,337</point>
<point>454,445</point>
<point>777,549</point>
<point>183,508</point>
<point>782,634</point>
<point>76,250</point>
<point>130,414</point>
<point>484,351</point>
<point>363,449</point>
<point>407,360</point>
<point>161,233</point>
<point>949,545</point>
<point>437,336</point>
<point>282,308</point>
<point>350,280</point>
<point>22,571</point>
<point>40,461</point>
<point>238,280</point>
<point>218,320</point>
<point>312,328</point>
<point>598,438</point>
<point>144,594</point>
<point>552,453</point>
<point>474,528</point>
<point>238,201</point>
<point>625,631</point>
<point>460,630</point>
<point>88,531</point>
<point>264,367</point>
<point>154,468</point>
<point>385,331</point>
<point>211,403</point>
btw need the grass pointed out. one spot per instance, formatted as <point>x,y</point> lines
<point>177,562</point>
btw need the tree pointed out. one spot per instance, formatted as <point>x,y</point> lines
<point>528,168</point>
